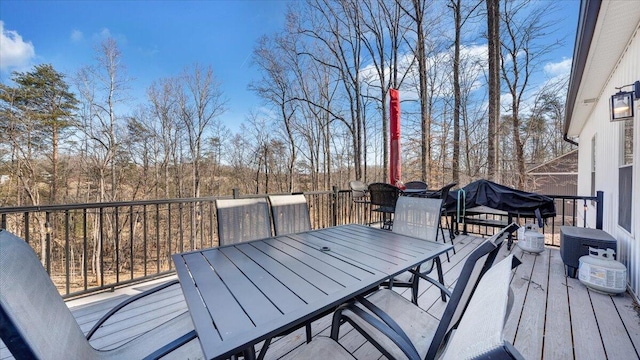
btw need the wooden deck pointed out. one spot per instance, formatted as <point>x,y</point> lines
<point>553,317</point>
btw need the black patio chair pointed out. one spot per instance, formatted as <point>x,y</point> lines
<point>477,311</point>
<point>242,220</point>
<point>290,214</point>
<point>35,322</point>
<point>360,195</point>
<point>415,188</point>
<point>384,196</point>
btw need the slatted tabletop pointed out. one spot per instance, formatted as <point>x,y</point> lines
<point>241,294</point>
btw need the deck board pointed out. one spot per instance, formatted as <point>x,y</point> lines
<point>587,343</point>
<point>630,317</point>
<point>557,337</point>
<point>553,317</point>
<point>520,285</point>
<point>617,343</point>
<point>530,335</point>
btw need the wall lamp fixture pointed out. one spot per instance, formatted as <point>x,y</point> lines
<point>622,102</point>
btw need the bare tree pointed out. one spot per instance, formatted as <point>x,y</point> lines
<point>460,16</point>
<point>167,131</point>
<point>276,58</point>
<point>493,47</point>
<point>336,26</point>
<point>543,127</point>
<point>201,103</point>
<point>102,87</point>
<point>384,25</point>
<point>525,25</point>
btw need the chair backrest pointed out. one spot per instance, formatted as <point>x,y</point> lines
<point>35,323</point>
<point>383,194</point>
<point>290,214</point>
<point>242,220</point>
<point>358,189</point>
<point>475,266</point>
<point>416,185</point>
<point>480,333</point>
<point>443,192</point>
<point>417,217</point>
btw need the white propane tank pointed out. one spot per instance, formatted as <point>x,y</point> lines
<point>529,239</point>
<point>599,271</point>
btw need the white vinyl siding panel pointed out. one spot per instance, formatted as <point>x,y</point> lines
<point>607,154</point>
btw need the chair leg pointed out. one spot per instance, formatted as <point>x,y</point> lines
<point>444,240</point>
<point>451,236</point>
<point>438,264</point>
<point>414,287</point>
<point>336,321</point>
<point>263,351</point>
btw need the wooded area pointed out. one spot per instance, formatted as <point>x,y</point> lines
<point>80,137</point>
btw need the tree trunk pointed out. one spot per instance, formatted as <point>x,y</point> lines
<point>425,129</point>
<point>455,160</point>
<point>493,37</point>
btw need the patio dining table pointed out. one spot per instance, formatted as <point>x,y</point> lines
<point>241,294</point>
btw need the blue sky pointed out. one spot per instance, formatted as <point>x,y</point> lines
<point>160,38</point>
<point>157,38</point>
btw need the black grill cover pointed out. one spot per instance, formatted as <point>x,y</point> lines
<point>488,193</point>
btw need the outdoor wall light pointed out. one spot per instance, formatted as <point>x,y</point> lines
<point>622,103</point>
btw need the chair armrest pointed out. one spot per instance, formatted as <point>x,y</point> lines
<point>126,302</point>
<point>166,349</point>
<point>387,326</point>
<point>436,283</point>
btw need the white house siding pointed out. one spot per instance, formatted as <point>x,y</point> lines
<point>608,154</point>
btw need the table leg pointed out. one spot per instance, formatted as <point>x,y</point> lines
<point>249,353</point>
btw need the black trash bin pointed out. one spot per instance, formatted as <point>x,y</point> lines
<point>575,243</point>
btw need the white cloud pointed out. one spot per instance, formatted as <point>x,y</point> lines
<point>14,52</point>
<point>105,33</point>
<point>76,35</point>
<point>562,67</point>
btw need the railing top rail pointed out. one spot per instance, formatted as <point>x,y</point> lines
<point>97,205</point>
<point>78,206</point>
<point>572,197</point>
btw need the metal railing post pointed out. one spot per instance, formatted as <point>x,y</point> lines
<point>599,209</point>
<point>47,254</point>
<point>335,206</point>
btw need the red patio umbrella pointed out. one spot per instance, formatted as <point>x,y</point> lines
<point>395,173</point>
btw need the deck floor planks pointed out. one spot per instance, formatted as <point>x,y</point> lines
<point>630,315</point>
<point>617,317</point>
<point>530,335</point>
<point>617,343</point>
<point>557,336</point>
<point>520,285</point>
<point>587,343</point>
